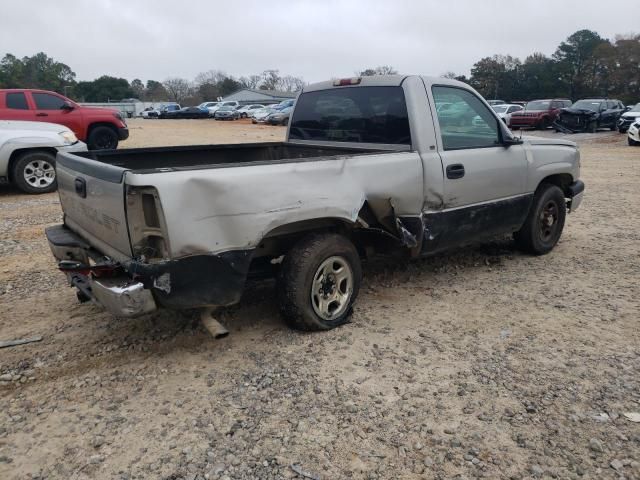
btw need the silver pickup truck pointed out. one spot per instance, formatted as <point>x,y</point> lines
<point>370,165</point>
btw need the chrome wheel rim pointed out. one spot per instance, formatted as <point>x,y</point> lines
<point>39,173</point>
<point>332,288</point>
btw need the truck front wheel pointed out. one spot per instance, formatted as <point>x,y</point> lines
<point>319,282</point>
<point>35,172</point>
<point>102,138</point>
<point>545,221</point>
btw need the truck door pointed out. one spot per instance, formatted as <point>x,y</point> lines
<point>49,108</point>
<point>484,179</point>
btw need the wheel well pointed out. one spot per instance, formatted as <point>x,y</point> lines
<point>93,126</point>
<point>562,180</point>
<point>16,154</point>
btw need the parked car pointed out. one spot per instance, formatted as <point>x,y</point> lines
<point>589,115</point>
<point>627,118</point>
<point>383,175</point>
<point>286,103</point>
<point>246,111</point>
<point>154,112</point>
<point>212,110</point>
<point>183,113</point>
<point>538,113</point>
<point>505,111</point>
<point>633,134</point>
<point>457,114</point>
<point>279,117</point>
<point>226,113</point>
<point>260,116</point>
<point>100,128</point>
<point>28,153</point>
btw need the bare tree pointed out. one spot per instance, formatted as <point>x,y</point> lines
<point>381,70</point>
<point>289,83</point>
<point>270,80</point>
<point>178,88</point>
<point>252,81</point>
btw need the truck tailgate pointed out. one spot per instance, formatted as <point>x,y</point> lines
<point>92,197</point>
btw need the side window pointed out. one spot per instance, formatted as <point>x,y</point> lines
<point>467,123</point>
<point>45,101</point>
<point>17,101</point>
<point>555,105</point>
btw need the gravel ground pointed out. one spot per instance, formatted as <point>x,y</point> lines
<point>480,363</point>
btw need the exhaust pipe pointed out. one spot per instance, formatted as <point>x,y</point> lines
<point>213,326</point>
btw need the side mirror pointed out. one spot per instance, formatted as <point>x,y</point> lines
<point>508,141</point>
<point>68,106</point>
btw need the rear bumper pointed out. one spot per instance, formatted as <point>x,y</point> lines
<point>123,133</point>
<point>134,288</point>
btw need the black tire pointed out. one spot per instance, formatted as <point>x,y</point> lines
<point>622,130</point>
<point>102,138</point>
<point>632,142</point>
<point>537,236</point>
<point>301,268</point>
<point>33,172</point>
<point>544,124</point>
<point>285,122</point>
<point>592,127</point>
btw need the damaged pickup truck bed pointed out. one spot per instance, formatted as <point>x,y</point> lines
<point>368,166</point>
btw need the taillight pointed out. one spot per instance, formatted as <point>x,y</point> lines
<point>147,228</point>
<point>341,82</point>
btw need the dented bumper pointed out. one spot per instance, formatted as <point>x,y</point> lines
<point>132,288</point>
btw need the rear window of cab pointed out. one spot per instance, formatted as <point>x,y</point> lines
<point>352,114</point>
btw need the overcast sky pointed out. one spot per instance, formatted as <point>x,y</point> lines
<point>155,39</point>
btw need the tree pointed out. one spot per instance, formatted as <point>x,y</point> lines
<point>576,62</point>
<point>103,89</point>
<point>38,71</point>
<point>381,70</point>
<point>177,88</point>
<point>137,87</point>
<point>155,91</point>
<point>289,83</point>
<point>252,81</point>
<point>270,80</point>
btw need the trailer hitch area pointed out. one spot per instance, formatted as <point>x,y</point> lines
<point>73,266</point>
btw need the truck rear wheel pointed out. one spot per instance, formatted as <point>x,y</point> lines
<point>545,221</point>
<point>35,172</point>
<point>102,138</point>
<point>319,281</point>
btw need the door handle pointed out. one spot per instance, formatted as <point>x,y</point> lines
<point>42,114</point>
<point>455,171</point>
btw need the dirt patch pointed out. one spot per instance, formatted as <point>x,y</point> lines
<point>480,363</point>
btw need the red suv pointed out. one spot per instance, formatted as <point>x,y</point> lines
<point>538,113</point>
<point>99,128</point>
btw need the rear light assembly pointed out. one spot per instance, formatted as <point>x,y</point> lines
<point>342,82</point>
<point>147,227</point>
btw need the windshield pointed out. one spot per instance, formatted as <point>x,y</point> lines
<point>226,109</point>
<point>538,105</point>
<point>360,114</point>
<point>636,108</point>
<point>500,109</point>
<point>593,105</point>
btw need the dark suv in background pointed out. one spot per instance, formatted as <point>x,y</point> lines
<point>538,113</point>
<point>589,115</point>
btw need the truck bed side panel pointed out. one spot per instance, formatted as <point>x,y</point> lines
<point>217,210</point>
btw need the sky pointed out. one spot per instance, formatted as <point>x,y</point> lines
<point>316,40</point>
